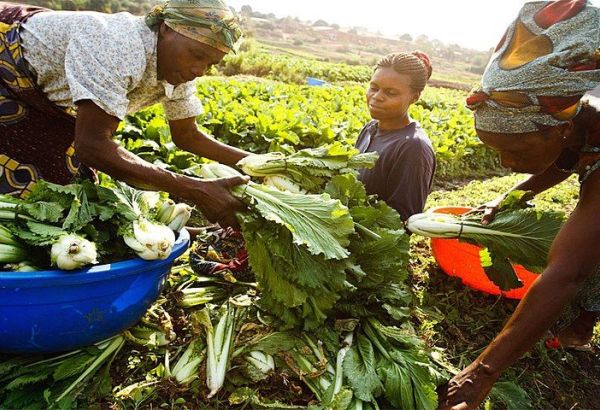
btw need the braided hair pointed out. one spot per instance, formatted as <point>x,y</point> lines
<point>416,65</point>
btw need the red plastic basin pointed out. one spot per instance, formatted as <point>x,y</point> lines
<point>461,259</point>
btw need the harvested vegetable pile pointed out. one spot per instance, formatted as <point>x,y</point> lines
<point>73,226</point>
<point>307,308</point>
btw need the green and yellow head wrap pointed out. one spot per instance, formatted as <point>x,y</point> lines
<point>210,22</point>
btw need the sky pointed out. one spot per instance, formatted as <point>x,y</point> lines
<point>476,24</point>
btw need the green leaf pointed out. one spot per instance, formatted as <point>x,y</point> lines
<point>499,270</point>
<point>360,369</point>
<point>243,395</point>
<point>385,260</point>
<point>290,276</point>
<point>72,366</point>
<point>513,396</point>
<point>275,342</point>
<point>30,378</point>
<point>522,236</point>
<point>341,400</point>
<point>348,190</point>
<point>517,199</point>
<point>44,211</point>
<point>316,221</point>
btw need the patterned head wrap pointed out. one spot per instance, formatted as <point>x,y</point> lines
<point>210,22</point>
<point>548,58</point>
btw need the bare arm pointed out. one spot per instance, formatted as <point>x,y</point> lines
<point>541,182</point>
<point>573,258</point>
<point>537,183</point>
<point>95,147</point>
<point>188,137</point>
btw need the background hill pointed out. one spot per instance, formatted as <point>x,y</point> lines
<point>454,66</point>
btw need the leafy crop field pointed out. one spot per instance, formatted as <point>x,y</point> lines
<point>159,364</point>
<point>263,115</point>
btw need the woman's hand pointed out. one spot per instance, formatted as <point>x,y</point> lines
<point>214,199</point>
<point>467,390</point>
<point>490,209</point>
<point>95,148</point>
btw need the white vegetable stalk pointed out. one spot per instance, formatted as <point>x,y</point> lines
<point>7,238</point>
<point>435,225</point>
<point>12,254</point>
<point>181,215</point>
<point>339,371</point>
<point>150,240</point>
<point>219,343</point>
<point>150,198</point>
<point>262,361</point>
<point>9,211</point>
<point>11,251</point>
<point>186,368</point>
<point>259,165</point>
<point>25,266</point>
<point>146,336</point>
<point>73,252</point>
<point>283,184</point>
<point>175,216</point>
<point>165,211</point>
<point>200,296</point>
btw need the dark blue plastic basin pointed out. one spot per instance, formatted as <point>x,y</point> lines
<point>52,311</point>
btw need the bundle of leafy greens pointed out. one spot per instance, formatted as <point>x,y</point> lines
<point>387,362</point>
<point>77,225</point>
<point>518,234</point>
<point>297,247</point>
<point>307,170</point>
<point>305,290</point>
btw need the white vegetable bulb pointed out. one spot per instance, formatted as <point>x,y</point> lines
<point>283,183</point>
<point>73,252</point>
<point>150,240</point>
<point>180,216</point>
<point>252,164</point>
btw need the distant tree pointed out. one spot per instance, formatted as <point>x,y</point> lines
<point>478,64</point>
<point>335,26</point>
<point>69,5</point>
<point>320,23</point>
<point>99,5</point>
<point>246,10</point>
<point>406,37</point>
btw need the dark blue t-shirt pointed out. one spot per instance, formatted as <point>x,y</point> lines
<point>403,174</point>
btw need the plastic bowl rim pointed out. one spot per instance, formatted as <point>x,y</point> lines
<point>94,273</point>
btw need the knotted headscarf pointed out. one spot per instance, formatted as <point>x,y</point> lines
<point>208,21</point>
<point>548,58</point>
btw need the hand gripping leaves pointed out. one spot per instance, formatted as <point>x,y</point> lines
<point>297,245</point>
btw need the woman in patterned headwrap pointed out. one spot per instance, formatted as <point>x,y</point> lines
<point>529,110</point>
<point>68,78</point>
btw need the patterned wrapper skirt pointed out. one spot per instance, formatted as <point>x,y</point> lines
<point>36,136</point>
